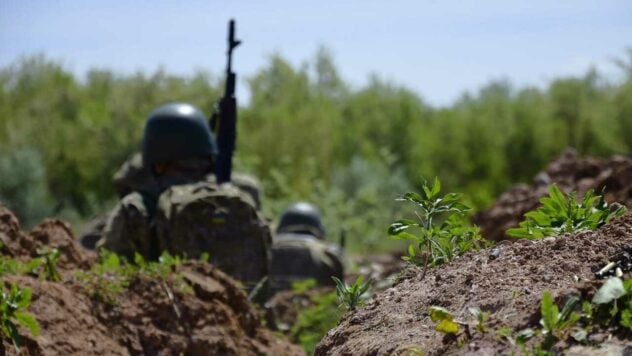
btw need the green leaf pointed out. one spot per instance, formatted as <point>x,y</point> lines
<point>439,313</point>
<point>549,312</point>
<point>436,188</point>
<point>406,236</point>
<point>626,318</point>
<point>447,327</point>
<point>28,321</point>
<point>401,225</point>
<point>524,335</point>
<point>612,289</point>
<point>411,251</point>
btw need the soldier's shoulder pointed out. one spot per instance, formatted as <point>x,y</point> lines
<point>205,190</point>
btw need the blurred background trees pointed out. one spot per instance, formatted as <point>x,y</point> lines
<point>306,134</point>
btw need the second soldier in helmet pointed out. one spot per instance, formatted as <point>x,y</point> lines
<point>300,250</point>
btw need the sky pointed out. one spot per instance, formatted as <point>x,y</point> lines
<point>438,48</point>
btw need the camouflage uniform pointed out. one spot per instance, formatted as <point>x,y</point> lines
<point>299,251</point>
<point>187,216</point>
<point>133,176</point>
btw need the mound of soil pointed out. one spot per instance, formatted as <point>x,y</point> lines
<point>570,173</point>
<point>506,281</point>
<point>152,316</point>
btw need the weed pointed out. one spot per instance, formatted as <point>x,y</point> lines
<point>481,319</point>
<point>314,322</point>
<point>612,304</point>
<point>351,296</point>
<point>561,214</point>
<point>107,279</point>
<point>302,287</point>
<point>13,306</point>
<point>436,242</point>
<point>49,259</point>
<point>445,320</point>
<point>553,321</point>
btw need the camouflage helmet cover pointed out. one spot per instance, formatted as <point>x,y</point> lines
<point>302,217</point>
<point>177,131</point>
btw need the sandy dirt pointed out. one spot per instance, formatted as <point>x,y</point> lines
<point>506,281</point>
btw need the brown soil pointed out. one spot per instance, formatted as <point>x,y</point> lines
<point>211,316</point>
<point>506,281</point>
<point>570,173</point>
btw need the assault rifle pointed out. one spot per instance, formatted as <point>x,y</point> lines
<point>224,120</point>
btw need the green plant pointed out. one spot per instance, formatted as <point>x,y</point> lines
<point>445,320</point>
<point>351,296</point>
<point>481,319</point>
<point>554,322</point>
<point>106,279</point>
<point>561,214</point>
<point>436,242</point>
<point>13,306</point>
<point>302,287</point>
<point>613,303</point>
<point>49,259</point>
<point>314,322</point>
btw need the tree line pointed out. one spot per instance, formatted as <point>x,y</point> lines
<point>306,134</point>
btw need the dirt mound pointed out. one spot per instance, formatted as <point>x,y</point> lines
<point>506,281</point>
<point>570,173</point>
<point>50,234</point>
<point>201,312</point>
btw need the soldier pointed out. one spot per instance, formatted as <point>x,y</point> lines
<point>300,251</point>
<point>182,210</point>
<point>133,175</point>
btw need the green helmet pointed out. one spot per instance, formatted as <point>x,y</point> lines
<point>177,131</point>
<point>302,217</point>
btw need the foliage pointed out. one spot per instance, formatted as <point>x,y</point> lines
<point>561,214</point>
<point>23,187</point>
<point>353,295</point>
<point>553,321</point>
<point>481,319</point>
<point>345,148</point>
<point>49,259</point>
<point>436,242</point>
<point>108,278</point>
<point>446,323</point>
<point>302,287</point>
<point>613,304</point>
<point>44,266</point>
<point>314,322</point>
<point>13,306</point>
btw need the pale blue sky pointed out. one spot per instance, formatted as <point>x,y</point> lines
<point>438,48</point>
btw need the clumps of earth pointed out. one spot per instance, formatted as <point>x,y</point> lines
<point>151,316</point>
<point>506,281</point>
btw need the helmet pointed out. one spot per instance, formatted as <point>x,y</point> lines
<point>177,131</point>
<point>302,217</point>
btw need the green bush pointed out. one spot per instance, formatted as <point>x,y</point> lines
<point>561,214</point>
<point>442,229</point>
<point>13,312</point>
<point>345,148</point>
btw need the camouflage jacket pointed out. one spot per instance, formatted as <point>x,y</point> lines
<point>300,256</point>
<point>189,220</point>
